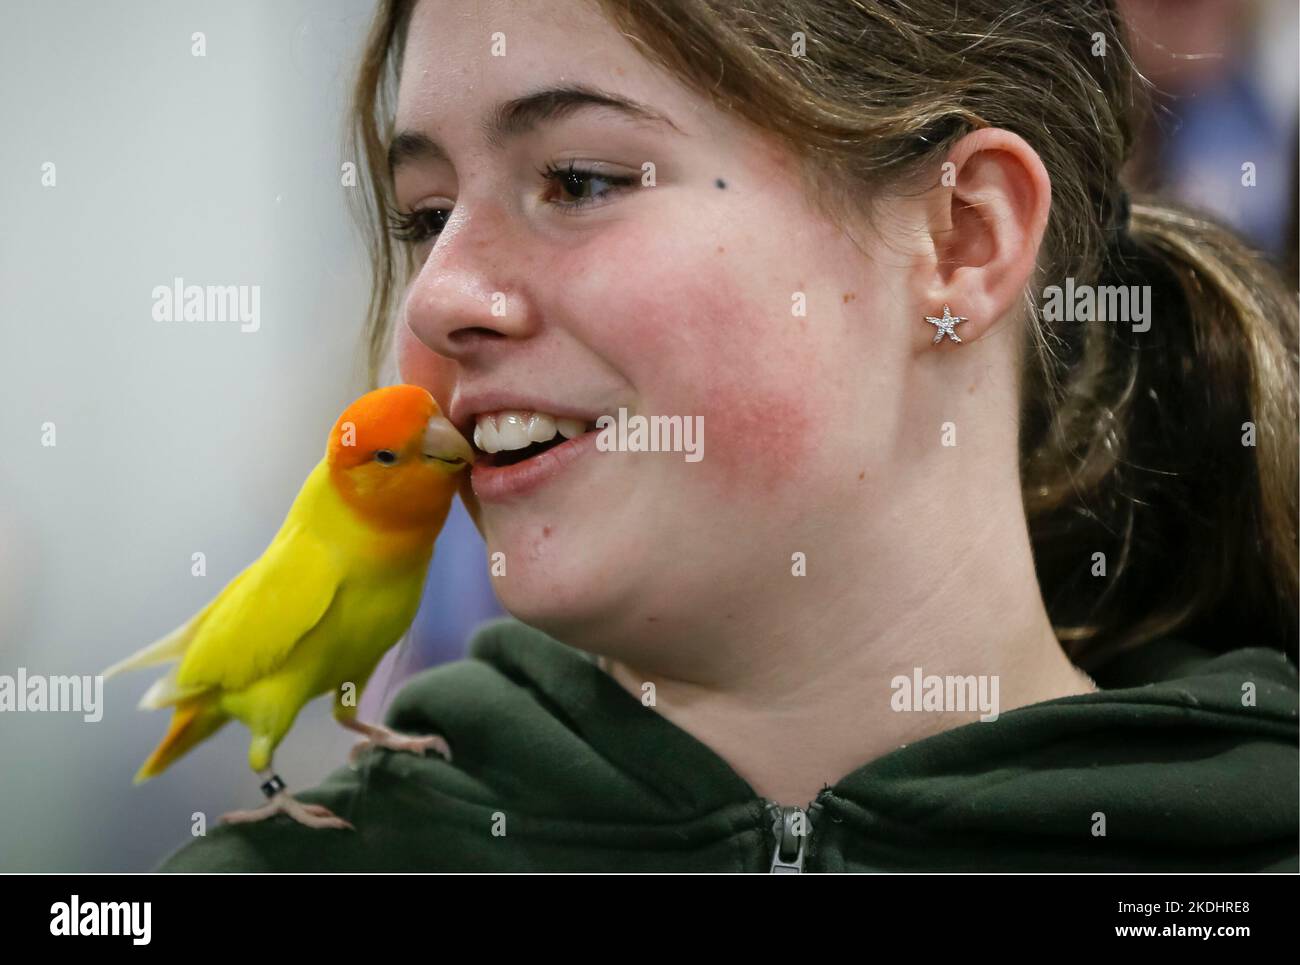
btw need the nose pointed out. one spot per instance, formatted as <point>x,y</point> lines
<point>467,294</point>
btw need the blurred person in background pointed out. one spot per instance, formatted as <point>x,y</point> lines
<point>1224,95</point>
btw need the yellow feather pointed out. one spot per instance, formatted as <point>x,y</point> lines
<point>318,609</point>
<point>173,645</point>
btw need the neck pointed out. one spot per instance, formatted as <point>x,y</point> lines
<point>794,702</point>
<point>336,518</point>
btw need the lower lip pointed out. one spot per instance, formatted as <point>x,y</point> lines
<point>494,483</point>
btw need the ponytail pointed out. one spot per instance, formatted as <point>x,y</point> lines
<point>1160,475</point>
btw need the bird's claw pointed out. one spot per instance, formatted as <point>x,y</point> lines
<point>400,742</point>
<point>311,815</point>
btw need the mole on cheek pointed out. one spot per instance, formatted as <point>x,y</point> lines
<point>720,183</point>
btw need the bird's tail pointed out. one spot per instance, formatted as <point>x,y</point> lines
<point>192,722</point>
<point>170,647</point>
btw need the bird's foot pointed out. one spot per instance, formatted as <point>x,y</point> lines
<point>379,736</point>
<point>312,815</point>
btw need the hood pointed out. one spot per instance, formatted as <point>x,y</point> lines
<point>557,768</point>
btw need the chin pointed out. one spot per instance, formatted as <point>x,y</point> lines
<point>581,627</point>
<point>563,603</point>
<point>584,583</point>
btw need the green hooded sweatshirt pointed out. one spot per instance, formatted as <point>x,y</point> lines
<point>1170,767</point>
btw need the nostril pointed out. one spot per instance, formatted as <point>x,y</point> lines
<point>472,333</point>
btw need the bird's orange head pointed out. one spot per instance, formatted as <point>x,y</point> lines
<point>396,459</point>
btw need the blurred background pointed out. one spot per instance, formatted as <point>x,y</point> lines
<point>1225,77</point>
<point>176,438</point>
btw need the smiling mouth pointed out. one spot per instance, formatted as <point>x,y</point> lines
<point>511,437</point>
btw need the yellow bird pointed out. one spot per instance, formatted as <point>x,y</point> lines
<point>337,587</point>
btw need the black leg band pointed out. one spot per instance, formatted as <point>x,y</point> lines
<point>273,786</point>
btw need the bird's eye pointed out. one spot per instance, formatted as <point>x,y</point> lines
<point>386,456</point>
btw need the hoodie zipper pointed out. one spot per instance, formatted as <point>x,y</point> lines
<point>790,845</point>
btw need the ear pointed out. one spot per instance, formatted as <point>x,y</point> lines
<point>986,221</point>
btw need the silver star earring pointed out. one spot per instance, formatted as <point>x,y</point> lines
<point>945,325</point>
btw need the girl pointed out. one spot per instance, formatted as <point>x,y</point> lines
<point>989,557</point>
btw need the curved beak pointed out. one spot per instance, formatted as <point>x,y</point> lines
<point>444,443</point>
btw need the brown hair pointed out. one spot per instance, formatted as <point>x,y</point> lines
<point>1134,445</point>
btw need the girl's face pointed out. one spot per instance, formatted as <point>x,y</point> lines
<point>714,291</point>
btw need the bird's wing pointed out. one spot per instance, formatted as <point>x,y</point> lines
<point>262,616</point>
<point>173,645</point>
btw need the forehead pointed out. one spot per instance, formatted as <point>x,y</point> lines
<point>463,58</point>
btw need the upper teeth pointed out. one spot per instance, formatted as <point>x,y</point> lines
<point>513,429</point>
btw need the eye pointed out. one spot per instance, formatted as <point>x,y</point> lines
<point>568,187</point>
<point>417,227</point>
<point>386,456</point>
<point>574,187</point>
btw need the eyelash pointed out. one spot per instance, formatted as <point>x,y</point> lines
<point>415,227</point>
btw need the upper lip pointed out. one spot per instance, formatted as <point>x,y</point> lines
<point>465,409</point>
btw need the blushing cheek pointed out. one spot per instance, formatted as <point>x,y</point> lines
<point>420,365</point>
<point>757,441</point>
<point>727,350</point>
<point>746,375</point>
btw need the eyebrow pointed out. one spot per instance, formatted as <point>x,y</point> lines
<point>516,117</point>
